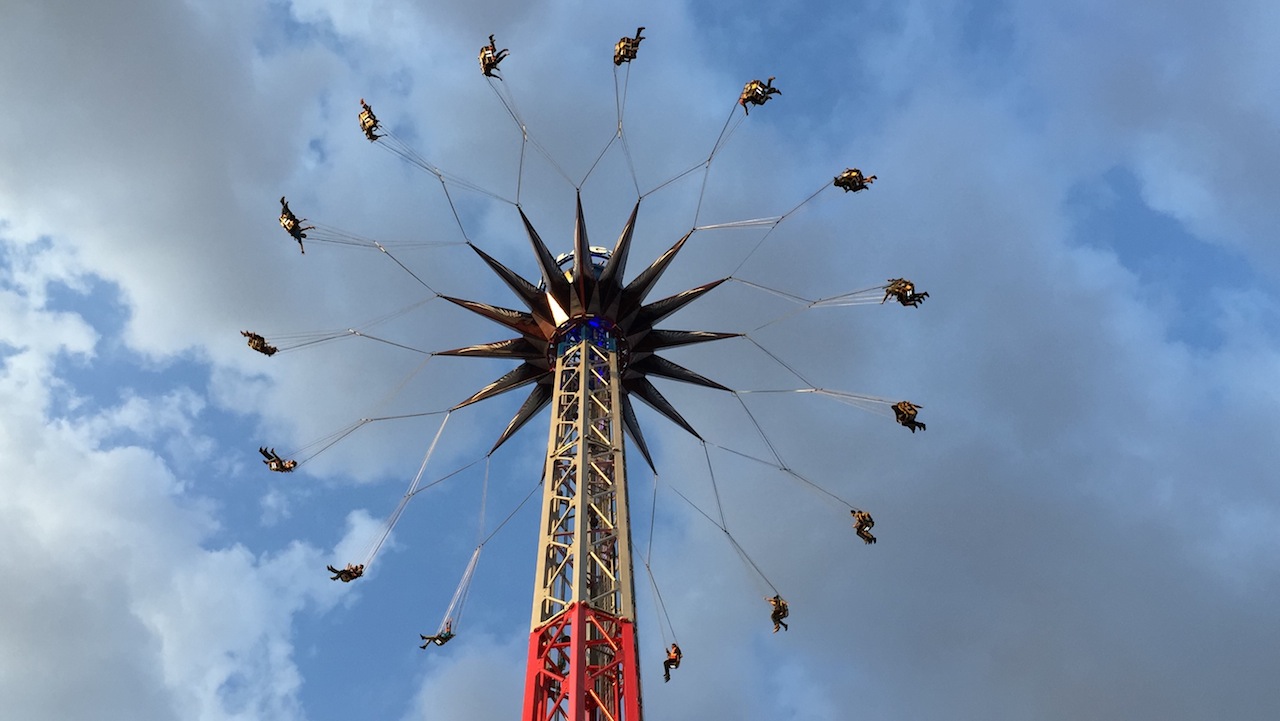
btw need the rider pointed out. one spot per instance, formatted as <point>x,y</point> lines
<point>674,654</point>
<point>368,121</point>
<point>904,291</point>
<point>348,574</point>
<point>490,56</point>
<point>292,224</point>
<point>441,638</point>
<point>625,50</point>
<point>275,462</point>
<point>905,412</point>
<point>862,524</point>
<point>757,93</point>
<point>259,343</point>
<point>780,611</point>
<point>853,180</point>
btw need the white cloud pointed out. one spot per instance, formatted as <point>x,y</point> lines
<point>482,679</point>
<point>355,543</point>
<point>120,550</point>
<point>275,507</point>
<point>126,610</point>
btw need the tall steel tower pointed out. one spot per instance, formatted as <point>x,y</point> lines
<point>582,643</point>
<point>587,343</point>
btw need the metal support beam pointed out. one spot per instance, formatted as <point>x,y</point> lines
<point>583,662</point>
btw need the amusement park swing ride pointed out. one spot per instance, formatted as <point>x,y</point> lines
<point>587,341</point>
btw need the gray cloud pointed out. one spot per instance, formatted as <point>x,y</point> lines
<point>1085,529</point>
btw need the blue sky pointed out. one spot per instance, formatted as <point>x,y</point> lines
<point>1086,529</point>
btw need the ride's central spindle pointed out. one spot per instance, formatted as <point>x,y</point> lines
<point>587,343</point>
<point>583,661</point>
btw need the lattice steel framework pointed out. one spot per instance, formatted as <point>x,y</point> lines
<point>583,661</point>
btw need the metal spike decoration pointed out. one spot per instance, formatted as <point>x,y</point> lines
<point>659,366</point>
<point>633,429</point>
<point>659,310</point>
<point>647,392</point>
<point>645,342</point>
<point>588,291</point>
<point>512,348</point>
<point>536,401</point>
<point>524,323</point>
<point>640,287</point>
<point>611,276</point>
<point>557,285</point>
<point>523,374</point>
<point>584,272</point>
<point>533,298</point>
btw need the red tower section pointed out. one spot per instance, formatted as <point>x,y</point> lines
<point>605,685</point>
